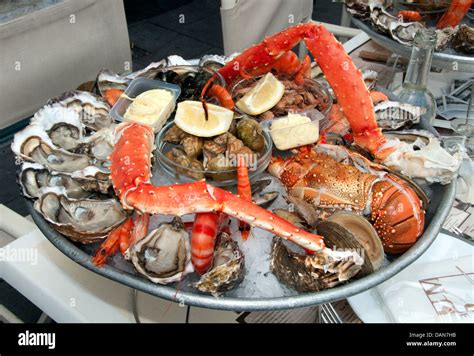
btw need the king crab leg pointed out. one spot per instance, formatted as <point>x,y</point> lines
<point>130,175</point>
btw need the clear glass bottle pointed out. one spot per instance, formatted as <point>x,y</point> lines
<point>413,90</point>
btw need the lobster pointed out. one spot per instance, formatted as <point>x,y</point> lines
<point>327,177</point>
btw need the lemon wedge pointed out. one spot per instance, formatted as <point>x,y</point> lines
<point>190,118</point>
<point>265,95</point>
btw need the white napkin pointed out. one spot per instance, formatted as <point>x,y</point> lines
<point>436,292</point>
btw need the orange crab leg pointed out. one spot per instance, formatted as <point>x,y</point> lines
<point>341,73</point>
<point>455,13</point>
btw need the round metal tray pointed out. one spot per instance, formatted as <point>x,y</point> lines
<point>442,200</point>
<point>444,60</point>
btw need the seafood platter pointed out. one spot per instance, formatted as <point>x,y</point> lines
<point>393,26</point>
<point>240,182</point>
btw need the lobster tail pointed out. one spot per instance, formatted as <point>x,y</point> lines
<point>397,214</point>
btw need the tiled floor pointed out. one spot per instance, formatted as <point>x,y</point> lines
<point>155,32</point>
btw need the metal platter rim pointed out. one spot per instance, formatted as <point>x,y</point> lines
<point>440,59</point>
<point>261,304</point>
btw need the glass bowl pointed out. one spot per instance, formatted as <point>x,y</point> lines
<point>183,77</point>
<point>318,89</point>
<point>224,178</point>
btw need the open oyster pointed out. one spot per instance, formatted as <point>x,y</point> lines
<point>63,126</point>
<point>82,220</point>
<point>394,115</point>
<point>404,32</point>
<point>381,19</point>
<point>228,267</point>
<point>164,256</point>
<point>93,110</point>
<point>34,145</point>
<point>33,177</point>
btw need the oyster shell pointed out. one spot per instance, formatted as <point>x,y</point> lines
<point>34,145</point>
<point>404,32</point>
<point>381,19</point>
<point>325,269</point>
<point>164,255</point>
<point>213,61</point>
<point>444,37</point>
<point>394,115</point>
<point>106,79</point>
<point>347,230</point>
<point>93,110</point>
<point>63,126</point>
<point>33,177</point>
<point>463,40</point>
<point>82,220</point>
<point>228,267</point>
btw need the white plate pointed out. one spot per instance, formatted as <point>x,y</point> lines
<point>369,306</point>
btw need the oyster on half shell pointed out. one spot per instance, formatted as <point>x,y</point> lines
<point>34,177</point>
<point>404,32</point>
<point>228,267</point>
<point>82,220</point>
<point>164,255</point>
<point>92,109</point>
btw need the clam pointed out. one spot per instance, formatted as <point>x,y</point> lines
<point>33,177</point>
<point>351,231</point>
<point>305,210</point>
<point>82,220</point>
<point>164,255</point>
<point>291,217</point>
<point>265,199</point>
<point>93,110</point>
<point>322,270</point>
<point>227,270</point>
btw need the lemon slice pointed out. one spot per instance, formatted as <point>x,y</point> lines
<point>190,118</point>
<point>265,95</point>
